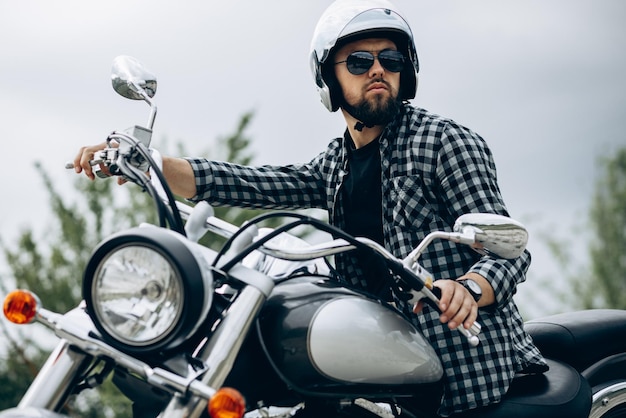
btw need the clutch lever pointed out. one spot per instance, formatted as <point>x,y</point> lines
<point>104,156</point>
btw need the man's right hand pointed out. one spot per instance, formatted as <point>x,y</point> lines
<point>82,161</point>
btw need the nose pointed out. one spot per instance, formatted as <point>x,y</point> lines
<point>377,68</point>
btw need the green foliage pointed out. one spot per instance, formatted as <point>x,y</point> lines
<point>607,289</point>
<point>52,266</point>
<point>600,283</point>
<point>19,364</point>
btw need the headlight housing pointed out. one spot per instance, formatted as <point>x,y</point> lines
<point>147,289</point>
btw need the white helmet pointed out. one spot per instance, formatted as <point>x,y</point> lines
<point>345,20</point>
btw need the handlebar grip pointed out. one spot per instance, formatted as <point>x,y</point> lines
<point>69,165</point>
<point>471,334</point>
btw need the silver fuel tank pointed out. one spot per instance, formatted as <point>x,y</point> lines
<point>324,338</point>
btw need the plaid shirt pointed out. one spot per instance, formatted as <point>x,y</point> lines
<point>433,171</point>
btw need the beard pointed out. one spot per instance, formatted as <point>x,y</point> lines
<point>376,111</point>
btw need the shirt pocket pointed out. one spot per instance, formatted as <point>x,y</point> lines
<point>409,206</point>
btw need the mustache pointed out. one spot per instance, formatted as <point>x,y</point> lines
<point>379,81</point>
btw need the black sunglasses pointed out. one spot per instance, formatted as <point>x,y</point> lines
<point>360,62</point>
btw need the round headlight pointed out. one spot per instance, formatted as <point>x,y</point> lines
<point>147,289</point>
<point>137,294</point>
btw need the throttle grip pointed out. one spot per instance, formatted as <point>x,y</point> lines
<point>471,334</point>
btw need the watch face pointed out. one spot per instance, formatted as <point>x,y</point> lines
<point>473,288</point>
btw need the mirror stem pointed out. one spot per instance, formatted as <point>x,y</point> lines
<point>466,236</point>
<point>153,112</point>
<point>153,109</point>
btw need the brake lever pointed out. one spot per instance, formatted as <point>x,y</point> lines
<point>103,156</point>
<point>70,166</point>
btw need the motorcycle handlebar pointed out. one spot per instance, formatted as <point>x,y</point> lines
<point>416,278</point>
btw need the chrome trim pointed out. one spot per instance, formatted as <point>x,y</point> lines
<point>607,398</point>
<point>252,278</point>
<point>52,385</point>
<point>220,353</point>
<point>77,329</point>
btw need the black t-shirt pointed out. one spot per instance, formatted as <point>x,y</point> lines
<point>362,197</point>
<point>362,193</point>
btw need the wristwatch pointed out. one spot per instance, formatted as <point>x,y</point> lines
<point>472,287</point>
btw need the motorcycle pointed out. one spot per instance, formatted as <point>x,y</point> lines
<point>260,329</point>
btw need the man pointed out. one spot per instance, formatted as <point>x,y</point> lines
<point>398,173</point>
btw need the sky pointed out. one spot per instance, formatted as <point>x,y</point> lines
<point>542,82</point>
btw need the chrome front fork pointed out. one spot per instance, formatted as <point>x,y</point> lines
<point>56,379</point>
<point>220,353</point>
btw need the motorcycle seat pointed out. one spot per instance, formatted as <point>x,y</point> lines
<point>580,338</point>
<point>561,392</point>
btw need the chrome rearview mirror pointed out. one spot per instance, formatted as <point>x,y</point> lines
<point>133,81</point>
<point>494,234</point>
<point>486,233</point>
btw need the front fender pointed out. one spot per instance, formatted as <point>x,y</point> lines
<point>30,413</point>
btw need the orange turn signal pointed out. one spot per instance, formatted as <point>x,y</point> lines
<point>227,403</point>
<point>20,306</point>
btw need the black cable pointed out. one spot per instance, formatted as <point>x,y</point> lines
<point>138,177</point>
<point>256,220</point>
<point>255,245</point>
<point>302,220</point>
<point>177,221</point>
<point>172,214</point>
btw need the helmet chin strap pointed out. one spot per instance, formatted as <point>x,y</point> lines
<point>360,125</point>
